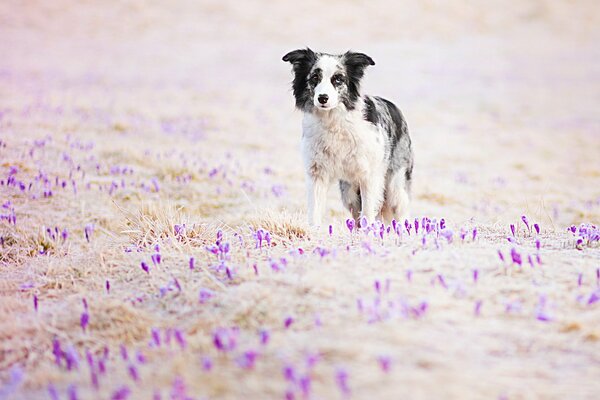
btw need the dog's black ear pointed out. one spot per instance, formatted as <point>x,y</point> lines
<point>358,59</point>
<point>355,68</point>
<point>299,56</point>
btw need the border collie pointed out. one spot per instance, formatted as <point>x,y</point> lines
<point>360,141</point>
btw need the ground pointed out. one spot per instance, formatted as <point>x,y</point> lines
<point>153,241</point>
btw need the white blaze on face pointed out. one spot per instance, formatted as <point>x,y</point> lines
<point>329,66</point>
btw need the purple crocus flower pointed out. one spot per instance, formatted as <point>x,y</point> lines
<point>140,357</point>
<point>155,259</point>
<point>447,234</point>
<point>442,281</point>
<point>264,337</point>
<point>89,357</point>
<point>537,228</point>
<point>289,373</point>
<point>72,392</point>
<point>191,263</point>
<point>330,230</point>
<point>442,223</point>
<point>512,229</point>
<point>180,339</point>
<point>500,255</point>
<point>225,339</point>
<point>84,320</point>
<point>71,358</point>
<point>56,351</point>
<point>350,224</point>
<point>88,230</point>
<point>133,373</point>
<point>121,394</point>
<point>542,316</point>
<point>341,379</point>
<point>288,322</point>
<point>205,295</point>
<point>156,337</point>
<point>259,238</point>
<point>474,233</point>
<point>594,297</point>
<point>247,360</point>
<point>52,392</point>
<point>526,222</point>
<point>35,303</point>
<point>177,284</point>
<point>107,285</point>
<point>475,275</point>
<point>516,257</point>
<point>385,363</point>
<point>364,222</point>
<point>94,379</point>
<point>478,304</point>
<point>206,363</point>
<point>304,383</point>
<point>145,267</point>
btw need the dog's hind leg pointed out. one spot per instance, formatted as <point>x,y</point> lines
<point>397,196</point>
<point>351,198</point>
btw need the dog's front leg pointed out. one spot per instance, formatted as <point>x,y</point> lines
<point>317,196</point>
<point>371,195</point>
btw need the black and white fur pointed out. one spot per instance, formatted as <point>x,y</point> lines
<point>360,141</point>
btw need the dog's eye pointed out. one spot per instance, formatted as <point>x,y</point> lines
<point>314,79</point>
<point>337,79</point>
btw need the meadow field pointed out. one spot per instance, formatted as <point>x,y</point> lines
<point>153,235</point>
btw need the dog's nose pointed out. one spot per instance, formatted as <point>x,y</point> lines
<point>323,98</point>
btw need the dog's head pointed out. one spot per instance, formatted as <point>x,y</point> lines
<point>323,81</point>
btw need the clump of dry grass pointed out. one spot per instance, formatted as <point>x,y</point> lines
<point>288,227</point>
<point>156,222</point>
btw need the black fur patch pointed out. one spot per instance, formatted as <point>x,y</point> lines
<point>370,112</point>
<point>400,143</point>
<point>400,125</point>
<point>302,61</point>
<point>355,64</point>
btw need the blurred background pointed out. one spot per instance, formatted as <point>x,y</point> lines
<point>480,82</point>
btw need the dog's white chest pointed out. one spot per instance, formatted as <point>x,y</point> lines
<point>341,148</point>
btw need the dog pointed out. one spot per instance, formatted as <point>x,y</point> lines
<point>360,141</point>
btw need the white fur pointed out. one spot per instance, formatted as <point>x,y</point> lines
<point>329,66</point>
